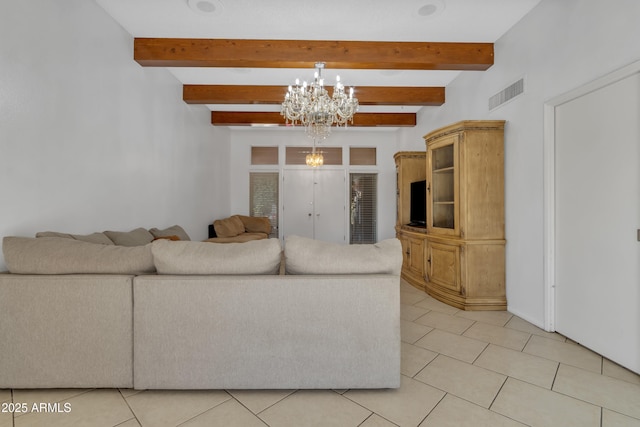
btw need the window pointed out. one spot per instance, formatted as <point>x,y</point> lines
<point>363,218</point>
<point>362,156</point>
<point>264,155</point>
<point>263,197</point>
<point>298,155</point>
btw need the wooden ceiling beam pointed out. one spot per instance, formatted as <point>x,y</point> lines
<point>239,53</point>
<point>368,95</point>
<point>242,118</point>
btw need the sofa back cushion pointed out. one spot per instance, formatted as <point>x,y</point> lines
<point>256,224</point>
<point>137,237</point>
<point>254,257</point>
<point>175,230</point>
<point>91,238</point>
<point>228,227</point>
<point>309,256</point>
<point>55,255</point>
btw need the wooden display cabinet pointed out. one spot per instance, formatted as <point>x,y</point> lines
<point>464,246</point>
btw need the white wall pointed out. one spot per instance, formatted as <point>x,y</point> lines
<point>557,47</point>
<point>384,141</point>
<point>90,140</point>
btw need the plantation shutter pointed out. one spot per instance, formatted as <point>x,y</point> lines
<point>363,215</point>
<point>263,197</point>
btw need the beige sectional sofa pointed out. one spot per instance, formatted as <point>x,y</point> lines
<point>199,315</point>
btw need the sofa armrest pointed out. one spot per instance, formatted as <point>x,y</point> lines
<point>66,331</point>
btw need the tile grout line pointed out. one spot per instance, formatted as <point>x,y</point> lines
<point>126,421</point>
<point>207,410</point>
<point>364,407</point>
<point>601,416</point>
<point>257,415</point>
<point>271,406</point>
<point>479,354</point>
<point>496,396</point>
<point>129,406</point>
<point>574,397</point>
<point>435,406</point>
<point>526,344</point>
<point>470,326</point>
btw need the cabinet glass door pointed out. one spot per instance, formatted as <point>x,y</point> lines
<point>442,187</point>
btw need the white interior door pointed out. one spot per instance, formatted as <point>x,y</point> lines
<point>314,204</point>
<point>597,214</point>
<point>330,214</point>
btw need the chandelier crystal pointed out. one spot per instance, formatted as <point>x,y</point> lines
<point>311,105</point>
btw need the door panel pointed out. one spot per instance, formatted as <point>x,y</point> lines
<point>444,267</point>
<point>329,192</point>
<point>297,212</point>
<point>314,204</point>
<point>417,256</point>
<point>597,201</point>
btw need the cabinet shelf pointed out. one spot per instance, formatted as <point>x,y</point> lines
<point>441,170</point>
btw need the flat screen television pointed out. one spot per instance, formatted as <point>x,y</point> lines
<point>418,202</point>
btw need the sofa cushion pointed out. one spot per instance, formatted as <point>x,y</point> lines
<point>228,227</point>
<point>137,237</point>
<point>309,256</point>
<point>91,238</point>
<point>244,237</point>
<point>256,224</point>
<point>254,257</point>
<point>175,230</point>
<point>55,255</point>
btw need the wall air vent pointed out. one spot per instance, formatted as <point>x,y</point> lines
<point>507,94</point>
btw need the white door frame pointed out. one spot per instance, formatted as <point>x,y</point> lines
<point>550,181</point>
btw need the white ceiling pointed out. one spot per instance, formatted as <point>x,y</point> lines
<point>366,20</point>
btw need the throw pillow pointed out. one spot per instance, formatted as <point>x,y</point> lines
<point>175,230</point>
<point>137,237</point>
<point>172,238</point>
<point>55,255</point>
<point>309,256</point>
<point>254,257</point>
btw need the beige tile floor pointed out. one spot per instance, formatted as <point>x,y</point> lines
<point>458,369</point>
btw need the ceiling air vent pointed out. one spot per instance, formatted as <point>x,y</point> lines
<point>506,94</point>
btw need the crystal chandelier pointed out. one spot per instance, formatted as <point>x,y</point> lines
<point>311,105</point>
<point>315,158</point>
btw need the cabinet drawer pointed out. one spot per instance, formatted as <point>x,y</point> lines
<point>443,263</point>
